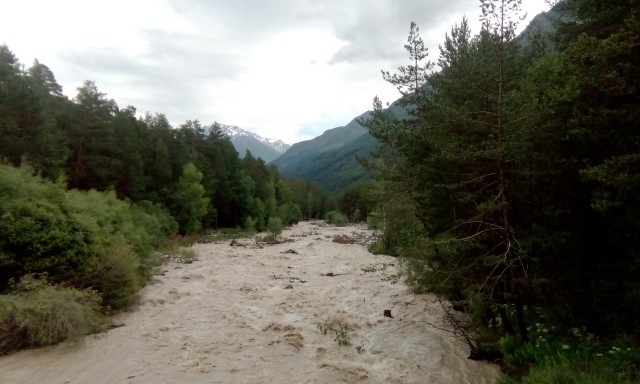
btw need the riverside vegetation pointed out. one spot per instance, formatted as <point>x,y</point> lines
<point>512,190</point>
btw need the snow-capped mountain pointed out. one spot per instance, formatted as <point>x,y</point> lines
<point>265,148</point>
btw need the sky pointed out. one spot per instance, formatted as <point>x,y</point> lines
<point>284,69</point>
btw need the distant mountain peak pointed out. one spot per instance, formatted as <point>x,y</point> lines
<point>266,148</point>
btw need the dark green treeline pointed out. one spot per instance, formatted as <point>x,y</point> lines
<point>514,188</point>
<point>94,144</point>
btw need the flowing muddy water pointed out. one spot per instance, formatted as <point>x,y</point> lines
<point>244,314</point>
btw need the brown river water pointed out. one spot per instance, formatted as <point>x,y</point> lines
<point>248,314</point>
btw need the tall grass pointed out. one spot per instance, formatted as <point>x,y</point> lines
<point>575,358</point>
<point>51,314</point>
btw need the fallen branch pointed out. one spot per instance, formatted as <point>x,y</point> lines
<point>461,329</point>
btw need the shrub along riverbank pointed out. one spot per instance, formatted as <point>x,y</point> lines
<point>69,257</point>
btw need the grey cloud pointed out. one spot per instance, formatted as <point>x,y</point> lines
<point>378,32</point>
<point>148,87</point>
<point>218,44</point>
<point>249,20</point>
<point>205,56</point>
<point>170,76</point>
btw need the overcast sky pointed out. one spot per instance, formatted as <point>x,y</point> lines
<point>285,69</point>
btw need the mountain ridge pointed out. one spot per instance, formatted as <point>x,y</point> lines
<point>267,149</point>
<point>331,158</point>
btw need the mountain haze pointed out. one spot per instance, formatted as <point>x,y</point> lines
<point>265,148</point>
<point>329,159</point>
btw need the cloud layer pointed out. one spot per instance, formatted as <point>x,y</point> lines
<point>286,69</point>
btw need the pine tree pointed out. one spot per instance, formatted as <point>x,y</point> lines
<point>453,165</point>
<point>586,179</point>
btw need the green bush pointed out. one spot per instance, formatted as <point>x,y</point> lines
<point>357,216</point>
<point>38,232</point>
<point>575,358</point>
<point>120,249</point>
<point>178,254</point>
<point>115,275</point>
<point>51,314</point>
<point>86,239</point>
<point>156,221</point>
<point>289,213</point>
<point>249,225</point>
<point>375,220</point>
<point>158,226</point>
<point>336,218</point>
<point>339,329</point>
<point>275,227</point>
<point>269,238</point>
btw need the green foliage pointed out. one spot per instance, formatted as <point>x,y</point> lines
<point>618,179</point>
<point>574,358</point>
<point>39,234</point>
<point>190,200</point>
<point>249,225</point>
<point>177,254</point>
<point>97,145</point>
<point>513,186</point>
<point>156,221</point>
<point>120,247</point>
<point>275,226</point>
<point>134,182</point>
<point>587,104</point>
<point>29,112</point>
<point>375,220</point>
<point>115,273</point>
<point>269,199</point>
<point>88,239</point>
<point>310,198</point>
<point>495,155</point>
<point>393,218</point>
<point>339,329</point>
<point>269,238</point>
<point>290,213</point>
<point>356,200</point>
<point>258,212</point>
<point>336,218</point>
<point>272,196</point>
<point>51,314</point>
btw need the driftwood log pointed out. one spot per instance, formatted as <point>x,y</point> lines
<point>331,274</point>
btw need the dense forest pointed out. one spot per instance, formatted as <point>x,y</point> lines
<point>94,144</point>
<point>513,190</point>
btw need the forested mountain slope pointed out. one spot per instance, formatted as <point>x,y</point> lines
<point>331,158</point>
